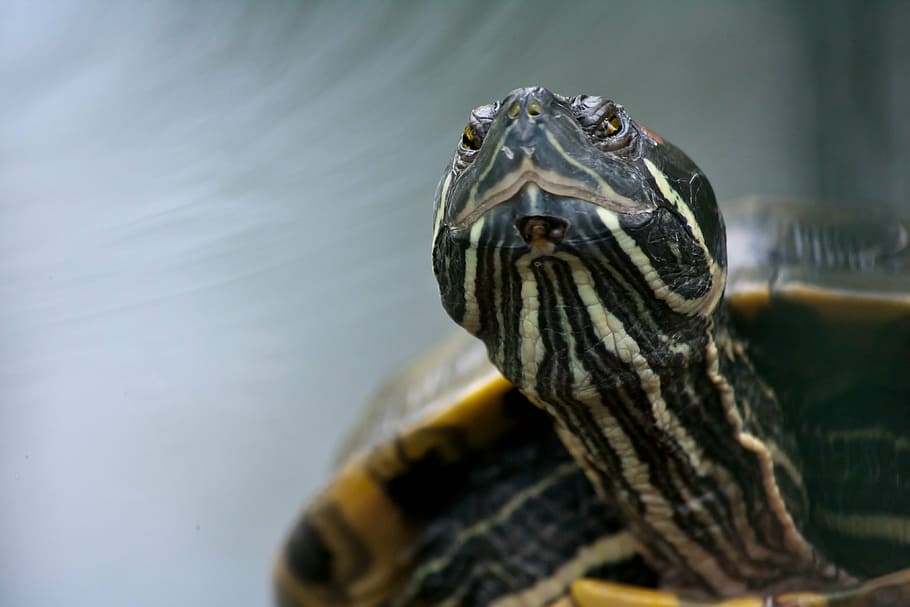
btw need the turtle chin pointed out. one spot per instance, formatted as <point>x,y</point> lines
<point>510,277</point>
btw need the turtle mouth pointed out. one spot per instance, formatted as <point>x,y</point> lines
<point>537,221</point>
<point>542,233</point>
<point>551,182</point>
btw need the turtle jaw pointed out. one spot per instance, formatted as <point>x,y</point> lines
<point>540,222</point>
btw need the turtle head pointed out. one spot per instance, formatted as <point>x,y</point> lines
<point>552,205</point>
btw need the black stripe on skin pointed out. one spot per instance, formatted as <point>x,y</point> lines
<point>618,384</point>
<point>696,192</point>
<point>620,306</point>
<point>681,328</point>
<point>689,401</point>
<point>695,409</point>
<point>486,286</point>
<point>554,379</point>
<point>679,261</point>
<point>719,508</point>
<point>708,217</point>
<point>762,417</point>
<point>673,370</point>
<point>700,411</point>
<point>609,262</point>
<point>511,308</point>
<point>449,267</point>
<point>577,416</point>
<point>761,420</point>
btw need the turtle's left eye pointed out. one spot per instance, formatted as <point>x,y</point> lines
<point>606,122</point>
<point>609,125</point>
<point>470,139</point>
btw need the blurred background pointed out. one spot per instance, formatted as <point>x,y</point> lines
<point>215,222</point>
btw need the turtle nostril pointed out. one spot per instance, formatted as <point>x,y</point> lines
<point>541,230</point>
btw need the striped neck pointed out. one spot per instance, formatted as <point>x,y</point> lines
<point>661,408</point>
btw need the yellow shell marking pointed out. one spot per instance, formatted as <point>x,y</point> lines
<point>356,500</point>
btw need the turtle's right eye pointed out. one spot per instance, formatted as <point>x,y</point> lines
<point>468,146</point>
<point>473,135</point>
<point>608,125</point>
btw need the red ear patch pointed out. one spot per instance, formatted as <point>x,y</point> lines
<point>651,133</point>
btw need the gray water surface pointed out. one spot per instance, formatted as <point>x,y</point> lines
<point>214,235</point>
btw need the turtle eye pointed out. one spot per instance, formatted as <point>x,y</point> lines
<point>609,125</point>
<point>606,123</point>
<point>472,136</point>
<point>470,140</point>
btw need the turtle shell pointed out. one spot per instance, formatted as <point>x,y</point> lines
<point>348,544</point>
<point>822,301</point>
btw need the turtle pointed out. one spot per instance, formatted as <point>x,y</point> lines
<point>650,403</point>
